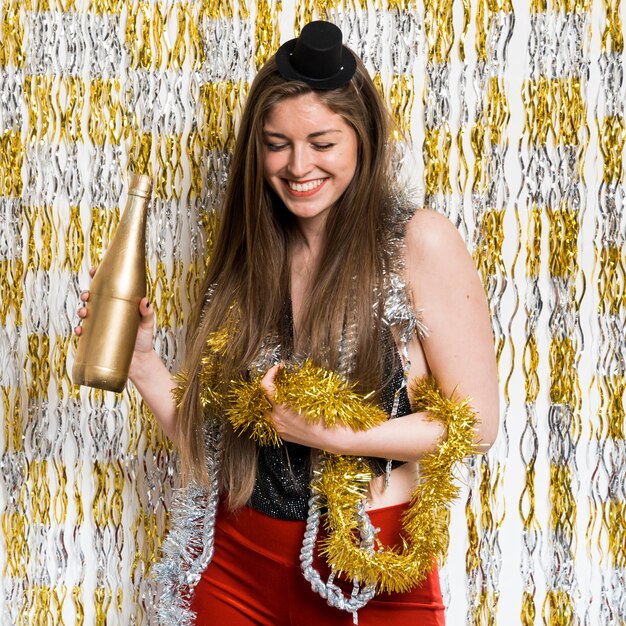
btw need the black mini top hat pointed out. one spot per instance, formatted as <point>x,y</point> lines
<point>317,57</point>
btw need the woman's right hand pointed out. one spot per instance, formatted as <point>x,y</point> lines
<point>143,342</point>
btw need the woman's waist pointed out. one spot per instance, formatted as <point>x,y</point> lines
<point>281,540</point>
<point>394,489</point>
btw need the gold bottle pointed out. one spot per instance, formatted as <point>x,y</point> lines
<point>105,346</point>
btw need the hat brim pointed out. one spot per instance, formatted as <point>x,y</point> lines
<point>340,78</point>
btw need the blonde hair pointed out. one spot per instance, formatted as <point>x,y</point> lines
<point>249,265</point>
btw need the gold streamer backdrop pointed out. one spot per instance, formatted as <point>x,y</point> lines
<point>511,120</point>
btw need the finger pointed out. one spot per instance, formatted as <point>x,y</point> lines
<point>267,382</point>
<point>78,331</point>
<point>145,308</point>
<point>92,271</point>
<point>82,312</point>
<point>84,296</point>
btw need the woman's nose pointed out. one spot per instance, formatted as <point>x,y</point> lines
<point>299,162</point>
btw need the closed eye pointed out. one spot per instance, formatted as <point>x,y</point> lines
<point>323,146</point>
<point>275,147</point>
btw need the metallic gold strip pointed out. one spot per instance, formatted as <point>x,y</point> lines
<point>437,144</point>
<point>78,500</point>
<point>194,151</point>
<point>195,55</point>
<point>49,238</point>
<point>103,597</point>
<point>145,53</point>
<point>12,158</point>
<point>6,405</point>
<point>531,365</point>
<point>497,113</point>
<point>12,50</point>
<point>215,9</point>
<point>533,258</point>
<point>529,611</point>
<point>117,501</point>
<point>37,357</point>
<point>218,105</point>
<point>401,5</point>
<point>60,500</point>
<point>169,171</point>
<point>612,35</point>
<point>179,49</point>
<point>572,6</point>
<point>70,103</point>
<point>266,31</point>
<point>439,33</point>
<point>558,609</point>
<point>563,238</point>
<point>74,242</point>
<point>37,609</point>
<point>616,515</point>
<point>5,294</point>
<point>571,111</point>
<point>158,28</point>
<point>613,408</point>
<point>107,121</point>
<point>489,256</point>
<point>100,505</point>
<point>439,29</point>
<point>17,555</point>
<point>107,7</point>
<point>17,289</point>
<point>537,95</point>
<point>103,225</point>
<point>563,359</point>
<point>169,297</point>
<point>58,598</point>
<point>612,139</point>
<point>563,509</point>
<point>38,96</point>
<point>141,160</point>
<point>31,214</point>
<point>39,492</point>
<point>79,609</point>
<point>401,97</point>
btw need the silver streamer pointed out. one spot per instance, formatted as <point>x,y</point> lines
<point>489,199</point>
<point>608,487</point>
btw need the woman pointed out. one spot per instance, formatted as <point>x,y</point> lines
<point>327,299</point>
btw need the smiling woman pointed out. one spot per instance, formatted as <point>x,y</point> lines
<point>319,414</point>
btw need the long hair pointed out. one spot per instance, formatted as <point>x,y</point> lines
<point>248,272</point>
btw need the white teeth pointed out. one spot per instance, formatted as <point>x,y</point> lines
<point>312,184</point>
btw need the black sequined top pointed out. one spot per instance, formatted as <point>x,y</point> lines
<point>283,474</point>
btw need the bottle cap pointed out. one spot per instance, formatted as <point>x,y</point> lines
<point>140,185</point>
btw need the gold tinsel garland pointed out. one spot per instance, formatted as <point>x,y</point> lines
<point>424,533</point>
<point>316,393</point>
<point>343,481</point>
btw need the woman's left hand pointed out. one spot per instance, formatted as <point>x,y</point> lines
<point>293,426</point>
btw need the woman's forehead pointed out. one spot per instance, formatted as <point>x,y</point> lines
<point>307,109</point>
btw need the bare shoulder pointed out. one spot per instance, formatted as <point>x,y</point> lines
<point>434,244</point>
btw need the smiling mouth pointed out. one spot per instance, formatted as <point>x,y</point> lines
<point>307,187</point>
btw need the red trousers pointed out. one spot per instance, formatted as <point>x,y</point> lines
<point>255,579</point>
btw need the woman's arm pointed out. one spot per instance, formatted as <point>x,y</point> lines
<point>459,352</point>
<point>151,378</point>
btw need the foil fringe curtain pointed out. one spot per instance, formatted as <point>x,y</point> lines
<point>510,120</point>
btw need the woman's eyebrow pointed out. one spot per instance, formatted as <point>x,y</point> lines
<point>319,133</point>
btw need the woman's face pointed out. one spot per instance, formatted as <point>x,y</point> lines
<point>310,156</point>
